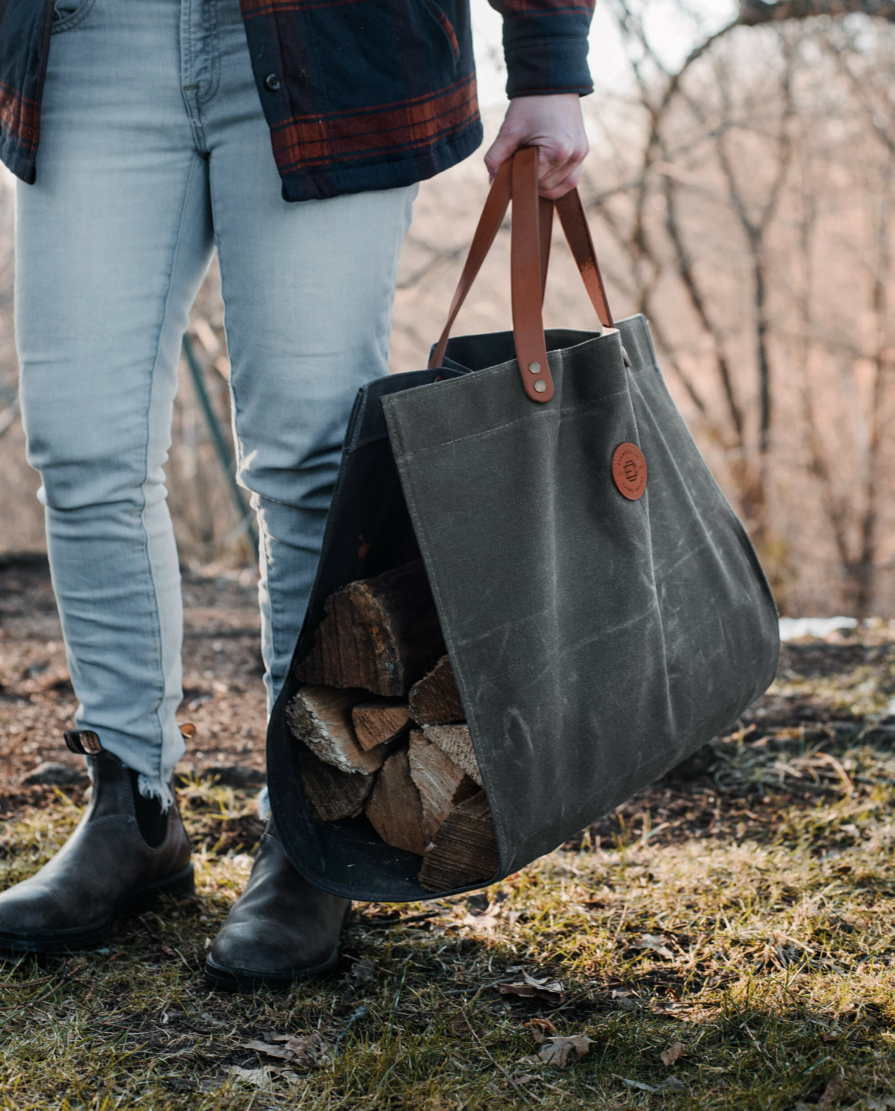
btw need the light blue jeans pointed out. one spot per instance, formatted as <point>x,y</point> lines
<point>154,150</point>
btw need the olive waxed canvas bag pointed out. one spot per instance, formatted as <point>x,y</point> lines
<point>603,608</point>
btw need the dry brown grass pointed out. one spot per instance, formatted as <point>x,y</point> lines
<point>742,908</point>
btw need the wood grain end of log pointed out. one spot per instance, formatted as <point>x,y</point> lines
<point>464,850</point>
<point>394,808</point>
<point>435,700</point>
<point>381,634</point>
<point>320,717</point>
<point>442,784</point>
<point>332,794</point>
<point>456,742</point>
<point>379,720</point>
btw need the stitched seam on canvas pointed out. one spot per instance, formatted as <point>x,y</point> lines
<point>510,424</point>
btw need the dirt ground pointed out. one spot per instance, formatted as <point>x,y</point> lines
<point>223,692</point>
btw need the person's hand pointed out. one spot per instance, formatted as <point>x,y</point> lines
<point>555,126</point>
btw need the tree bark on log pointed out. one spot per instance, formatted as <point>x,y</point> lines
<point>442,784</point>
<point>455,742</point>
<point>381,634</point>
<point>320,717</point>
<point>464,850</point>
<point>435,700</point>
<point>378,721</point>
<point>394,808</point>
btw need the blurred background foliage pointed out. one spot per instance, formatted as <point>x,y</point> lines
<point>740,190</point>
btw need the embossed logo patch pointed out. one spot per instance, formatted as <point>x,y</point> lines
<point>629,471</point>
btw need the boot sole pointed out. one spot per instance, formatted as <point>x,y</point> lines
<point>222,978</point>
<point>182,885</point>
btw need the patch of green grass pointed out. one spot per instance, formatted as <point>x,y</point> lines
<point>767,953</point>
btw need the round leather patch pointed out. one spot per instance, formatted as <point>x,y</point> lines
<point>629,471</point>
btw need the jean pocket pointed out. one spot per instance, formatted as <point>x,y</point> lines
<point>68,14</point>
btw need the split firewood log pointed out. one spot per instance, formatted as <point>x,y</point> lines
<point>379,720</point>
<point>464,850</point>
<point>394,808</point>
<point>455,742</point>
<point>435,700</point>
<point>320,717</point>
<point>381,634</point>
<point>442,784</point>
<point>332,794</point>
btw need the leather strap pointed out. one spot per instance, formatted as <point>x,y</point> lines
<point>529,253</point>
<point>525,278</point>
<point>545,222</point>
<point>488,226</point>
<point>577,233</point>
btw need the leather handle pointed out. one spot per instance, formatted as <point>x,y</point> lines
<point>545,223</point>
<point>495,209</point>
<point>577,233</point>
<point>525,278</point>
<point>530,253</point>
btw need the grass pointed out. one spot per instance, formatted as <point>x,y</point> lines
<point>746,915</point>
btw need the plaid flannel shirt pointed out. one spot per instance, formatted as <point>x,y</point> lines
<point>358,94</point>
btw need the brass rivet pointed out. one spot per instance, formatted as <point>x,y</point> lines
<point>535,368</point>
<point>541,386</point>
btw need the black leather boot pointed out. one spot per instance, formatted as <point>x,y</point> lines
<point>281,929</point>
<point>123,853</point>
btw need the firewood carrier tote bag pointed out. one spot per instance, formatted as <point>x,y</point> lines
<point>603,608</point>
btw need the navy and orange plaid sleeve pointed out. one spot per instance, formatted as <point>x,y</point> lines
<point>24,39</point>
<point>545,45</point>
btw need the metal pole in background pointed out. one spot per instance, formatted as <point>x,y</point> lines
<point>220,444</point>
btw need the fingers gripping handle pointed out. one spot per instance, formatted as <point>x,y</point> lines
<point>530,250</point>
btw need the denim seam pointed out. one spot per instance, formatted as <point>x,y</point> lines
<point>217,63</point>
<point>186,43</point>
<point>152,381</point>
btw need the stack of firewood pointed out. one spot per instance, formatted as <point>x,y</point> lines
<point>403,757</point>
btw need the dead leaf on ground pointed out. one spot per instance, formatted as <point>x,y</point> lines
<point>672,1009</point>
<point>832,1091</point>
<point>671,1054</point>
<point>259,1077</point>
<point>657,944</point>
<point>362,972</point>
<point>269,1050</point>
<point>482,922</point>
<point>485,919</point>
<point>306,1052</point>
<point>556,1050</point>
<point>529,988</point>
<point>671,1084</point>
<point>544,1025</point>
